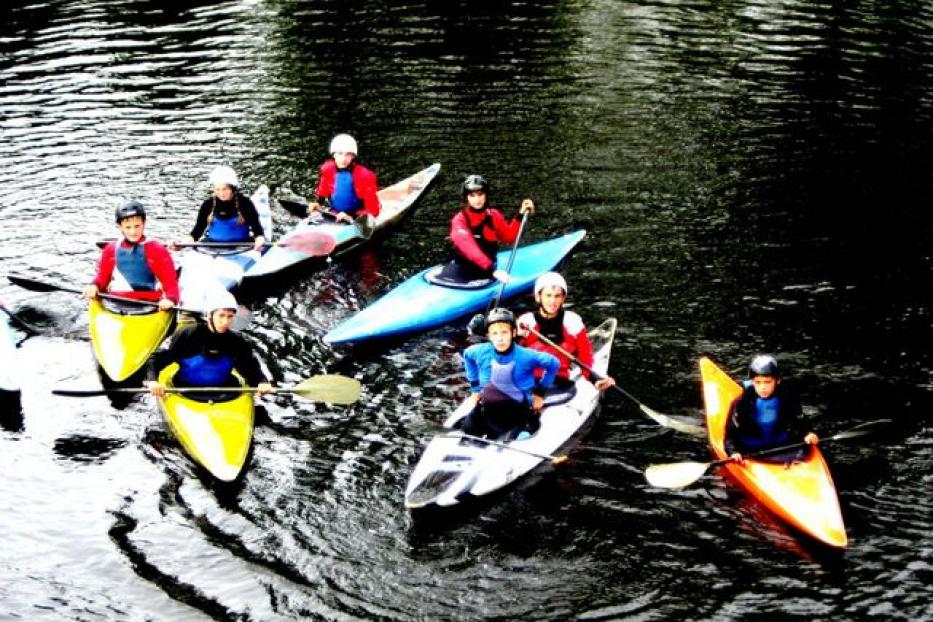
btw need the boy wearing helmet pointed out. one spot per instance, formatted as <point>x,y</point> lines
<point>228,215</point>
<point>476,231</point>
<point>207,353</point>
<point>134,266</point>
<point>563,327</point>
<point>348,185</point>
<point>766,414</point>
<point>504,388</point>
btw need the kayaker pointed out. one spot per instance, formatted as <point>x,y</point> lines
<point>765,415</point>
<point>348,186</point>
<point>505,392</point>
<point>134,266</point>
<point>476,231</point>
<point>563,327</point>
<point>207,353</point>
<point>228,215</point>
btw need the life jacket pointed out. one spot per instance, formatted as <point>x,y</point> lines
<point>767,415</point>
<point>501,387</point>
<point>484,233</point>
<point>344,198</point>
<point>204,370</point>
<point>132,271</point>
<point>231,229</point>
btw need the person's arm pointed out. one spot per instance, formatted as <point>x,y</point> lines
<point>108,261</point>
<point>506,230</point>
<point>246,362</point>
<point>367,192</point>
<point>165,356</point>
<point>200,224</point>
<point>465,244</point>
<point>471,367</point>
<point>251,215</point>
<point>162,266</point>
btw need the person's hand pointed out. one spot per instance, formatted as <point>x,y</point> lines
<point>89,291</point>
<point>604,383</point>
<point>474,399</point>
<point>313,207</point>
<point>737,458</point>
<point>527,206</point>
<point>176,246</point>
<point>501,275</point>
<point>165,304</point>
<point>259,242</point>
<point>522,329</point>
<point>156,388</point>
<point>537,403</point>
<point>264,388</point>
<point>343,217</point>
<point>811,439</point>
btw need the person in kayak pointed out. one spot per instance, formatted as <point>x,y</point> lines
<point>134,266</point>
<point>348,186</point>
<point>228,215</point>
<point>475,233</point>
<point>504,389</point>
<point>563,327</point>
<point>207,353</point>
<point>765,415</point>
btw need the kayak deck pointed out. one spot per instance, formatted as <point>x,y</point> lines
<point>124,336</point>
<point>216,434</point>
<point>801,493</point>
<point>454,468</point>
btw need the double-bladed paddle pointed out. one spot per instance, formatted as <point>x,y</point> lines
<point>299,207</point>
<point>477,324</point>
<point>665,420</point>
<point>330,388</point>
<point>488,441</point>
<point>310,243</point>
<point>681,474</point>
<point>44,286</point>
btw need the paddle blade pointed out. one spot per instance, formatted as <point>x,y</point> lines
<point>310,243</point>
<point>34,285</point>
<point>675,474</point>
<point>670,422</point>
<point>365,226</point>
<point>295,206</point>
<point>330,388</point>
<point>860,430</point>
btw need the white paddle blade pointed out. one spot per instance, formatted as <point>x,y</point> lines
<point>330,388</point>
<point>675,474</point>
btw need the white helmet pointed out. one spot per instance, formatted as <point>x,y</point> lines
<point>223,176</point>
<point>550,279</point>
<point>344,143</point>
<point>220,299</point>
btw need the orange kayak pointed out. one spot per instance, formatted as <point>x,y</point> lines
<point>801,494</point>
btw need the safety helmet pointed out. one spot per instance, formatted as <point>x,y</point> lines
<point>475,183</point>
<point>220,299</point>
<point>550,279</point>
<point>344,143</point>
<point>764,365</point>
<point>500,314</point>
<point>223,176</point>
<point>129,209</point>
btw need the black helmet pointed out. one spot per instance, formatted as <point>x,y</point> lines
<point>764,365</point>
<point>500,314</point>
<point>475,183</point>
<point>130,208</point>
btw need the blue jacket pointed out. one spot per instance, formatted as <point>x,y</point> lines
<point>477,361</point>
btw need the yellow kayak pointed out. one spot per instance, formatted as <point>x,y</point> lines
<point>124,337</point>
<point>216,434</point>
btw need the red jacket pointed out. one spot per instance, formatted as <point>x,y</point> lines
<point>461,233</point>
<point>364,184</point>
<point>575,341</point>
<point>157,258</point>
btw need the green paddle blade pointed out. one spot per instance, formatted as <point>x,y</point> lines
<point>675,474</point>
<point>330,388</point>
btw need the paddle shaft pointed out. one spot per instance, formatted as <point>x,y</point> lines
<point>488,441</point>
<point>508,265</point>
<point>42,286</point>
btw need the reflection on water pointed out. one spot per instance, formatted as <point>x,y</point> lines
<point>753,177</point>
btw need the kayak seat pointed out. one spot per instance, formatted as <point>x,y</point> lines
<point>435,276</point>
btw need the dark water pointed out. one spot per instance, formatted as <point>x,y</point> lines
<point>754,176</point>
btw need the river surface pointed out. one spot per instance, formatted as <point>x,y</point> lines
<point>753,176</point>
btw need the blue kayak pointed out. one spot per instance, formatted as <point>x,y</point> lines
<point>418,304</point>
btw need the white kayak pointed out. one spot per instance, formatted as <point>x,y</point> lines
<point>203,270</point>
<point>454,469</point>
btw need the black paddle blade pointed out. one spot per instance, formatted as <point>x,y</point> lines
<point>477,325</point>
<point>36,286</point>
<point>295,207</point>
